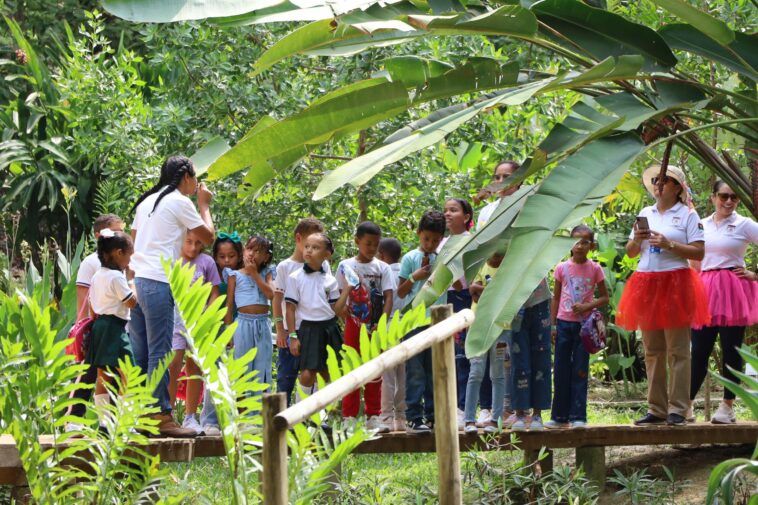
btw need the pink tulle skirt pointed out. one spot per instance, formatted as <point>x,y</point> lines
<point>731,301</point>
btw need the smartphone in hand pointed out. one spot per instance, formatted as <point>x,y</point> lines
<point>642,223</point>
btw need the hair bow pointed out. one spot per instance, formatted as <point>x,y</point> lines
<point>107,233</point>
<point>233,236</point>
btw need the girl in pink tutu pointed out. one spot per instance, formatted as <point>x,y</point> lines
<point>664,298</point>
<point>732,294</point>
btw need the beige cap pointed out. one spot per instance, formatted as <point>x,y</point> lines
<point>672,171</point>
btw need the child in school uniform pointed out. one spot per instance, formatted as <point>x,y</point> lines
<point>314,299</point>
<point>205,269</point>
<point>287,365</point>
<point>573,299</point>
<point>393,380</point>
<point>111,299</point>
<point>371,298</point>
<point>415,268</point>
<point>251,289</point>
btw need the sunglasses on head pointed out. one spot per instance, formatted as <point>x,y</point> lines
<point>728,196</point>
<point>666,180</point>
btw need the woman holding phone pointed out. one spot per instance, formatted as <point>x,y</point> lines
<point>732,294</point>
<point>665,297</point>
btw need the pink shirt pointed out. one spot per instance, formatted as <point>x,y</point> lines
<point>578,283</point>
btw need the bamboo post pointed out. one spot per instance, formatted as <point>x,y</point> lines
<point>373,369</point>
<point>275,475</point>
<point>445,414</point>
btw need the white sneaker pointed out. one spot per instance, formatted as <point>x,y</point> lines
<point>376,424</point>
<point>400,425</point>
<point>471,428</point>
<point>578,424</point>
<point>485,416</point>
<point>536,424</point>
<point>461,422</point>
<point>724,415</point>
<point>211,430</point>
<point>73,427</point>
<point>190,422</point>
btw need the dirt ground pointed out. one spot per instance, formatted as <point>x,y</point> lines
<point>691,467</point>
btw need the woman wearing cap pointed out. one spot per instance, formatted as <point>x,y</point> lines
<point>665,297</point>
<point>732,294</point>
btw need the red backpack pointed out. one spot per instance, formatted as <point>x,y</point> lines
<point>80,334</point>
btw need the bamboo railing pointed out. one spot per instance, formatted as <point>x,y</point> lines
<point>277,420</point>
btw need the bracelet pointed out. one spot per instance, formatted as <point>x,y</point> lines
<point>671,245</point>
<point>277,319</point>
<point>293,336</point>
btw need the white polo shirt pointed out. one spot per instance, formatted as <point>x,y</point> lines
<point>313,294</point>
<point>727,241</point>
<point>109,292</point>
<point>162,233</point>
<point>283,272</point>
<point>87,269</point>
<point>680,224</point>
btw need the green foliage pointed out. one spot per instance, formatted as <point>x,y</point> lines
<point>639,488</point>
<point>724,479</point>
<point>383,337</point>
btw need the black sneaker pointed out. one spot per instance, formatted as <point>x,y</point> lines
<point>650,420</point>
<point>676,420</point>
<point>418,426</point>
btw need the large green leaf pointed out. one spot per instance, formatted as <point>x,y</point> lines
<point>568,194</point>
<point>166,11</point>
<point>209,153</point>
<point>600,34</point>
<point>704,22</point>
<point>314,125</point>
<point>362,169</point>
<point>741,55</point>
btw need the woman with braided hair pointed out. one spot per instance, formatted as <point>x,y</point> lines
<point>163,216</point>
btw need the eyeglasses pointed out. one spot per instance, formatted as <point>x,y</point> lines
<point>666,180</point>
<point>728,196</point>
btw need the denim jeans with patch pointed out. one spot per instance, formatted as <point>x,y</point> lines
<point>570,370</point>
<point>530,358</point>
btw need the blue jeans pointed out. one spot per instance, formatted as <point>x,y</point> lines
<point>208,414</point>
<point>254,331</point>
<point>496,358</point>
<point>570,371</point>
<point>530,358</point>
<point>287,367</point>
<point>150,330</point>
<point>419,395</point>
<point>460,300</point>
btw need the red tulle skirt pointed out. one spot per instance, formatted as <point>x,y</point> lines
<point>659,300</point>
<point>732,301</point>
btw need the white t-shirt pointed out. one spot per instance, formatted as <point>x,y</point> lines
<point>398,302</point>
<point>680,224</point>
<point>486,213</point>
<point>374,275</point>
<point>726,242</point>
<point>108,293</point>
<point>87,269</point>
<point>283,272</point>
<point>162,233</point>
<point>313,294</point>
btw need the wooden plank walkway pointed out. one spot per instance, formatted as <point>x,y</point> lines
<point>596,436</point>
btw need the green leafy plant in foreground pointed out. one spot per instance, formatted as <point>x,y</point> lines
<point>722,484</point>
<point>236,395</point>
